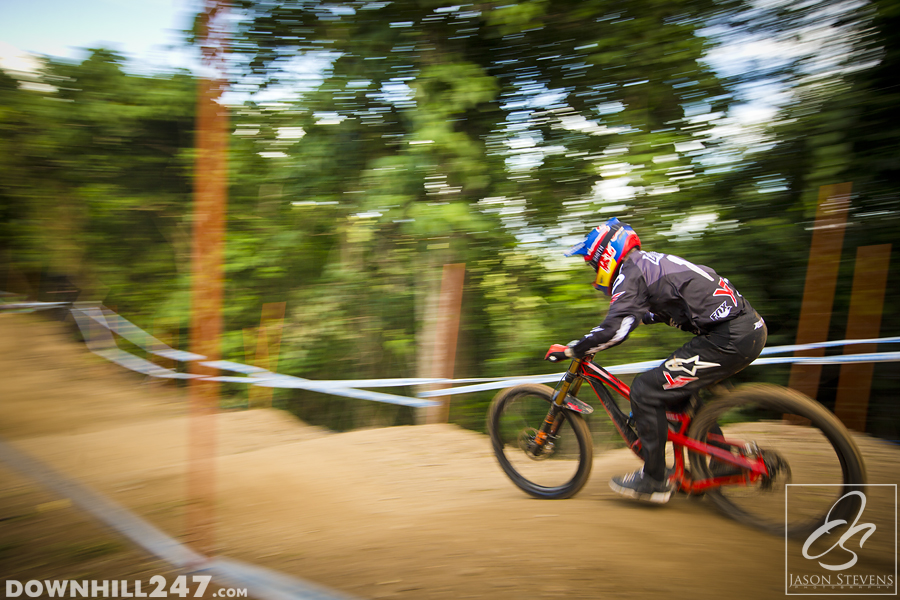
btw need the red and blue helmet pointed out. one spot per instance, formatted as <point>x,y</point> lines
<point>604,248</point>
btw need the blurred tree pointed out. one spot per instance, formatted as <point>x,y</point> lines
<point>476,134</point>
<point>375,141</point>
<point>836,125</point>
<point>529,99</point>
<point>99,177</point>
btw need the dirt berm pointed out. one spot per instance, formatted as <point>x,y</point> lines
<point>403,512</point>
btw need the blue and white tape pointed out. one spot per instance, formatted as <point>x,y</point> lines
<point>102,342</point>
<point>819,345</point>
<point>134,334</point>
<point>632,368</point>
<point>32,306</point>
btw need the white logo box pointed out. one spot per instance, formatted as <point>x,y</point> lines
<point>875,526</point>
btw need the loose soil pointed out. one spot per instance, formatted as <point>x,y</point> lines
<point>402,512</point>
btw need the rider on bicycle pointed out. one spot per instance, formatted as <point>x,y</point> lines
<point>651,287</point>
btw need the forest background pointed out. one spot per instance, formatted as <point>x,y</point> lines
<point>374,142</point>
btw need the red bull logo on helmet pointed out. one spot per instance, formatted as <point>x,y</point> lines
<point>604,247</point>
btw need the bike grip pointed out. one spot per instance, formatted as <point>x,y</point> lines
<point>556,353</point>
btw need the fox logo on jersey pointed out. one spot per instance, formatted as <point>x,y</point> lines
<point>723,311</point>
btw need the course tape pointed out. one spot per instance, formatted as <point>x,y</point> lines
<point>134,334</point>
<point>260,583</point>
<point>646,366</point>
<point>286,381</point>
<point>818,345</point>
<point>32,306</point>
<point>101,341</point>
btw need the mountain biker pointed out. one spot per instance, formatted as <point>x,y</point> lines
<point>651,287</point>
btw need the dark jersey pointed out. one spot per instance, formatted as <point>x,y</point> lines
<point>677,292</point>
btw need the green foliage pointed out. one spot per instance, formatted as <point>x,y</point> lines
<point>428,134</point>
<point>99,179</point>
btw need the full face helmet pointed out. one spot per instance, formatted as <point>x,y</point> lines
<point>604,248</point>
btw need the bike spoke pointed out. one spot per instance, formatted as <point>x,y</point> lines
<point>551,465</point>
<point>556,468</point>
<point>801,444</point>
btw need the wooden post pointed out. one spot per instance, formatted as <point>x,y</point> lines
<point>210,200</point>
<point>261,349</point>
<point>442,358</point>
<point>821,280</point>
<point>864,322</point>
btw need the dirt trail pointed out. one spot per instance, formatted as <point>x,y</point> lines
<point>405,512</point>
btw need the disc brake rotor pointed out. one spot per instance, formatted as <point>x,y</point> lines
<point>778,467</point>
<point>531,449</point>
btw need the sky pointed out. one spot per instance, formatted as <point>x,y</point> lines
<point>145,31</point>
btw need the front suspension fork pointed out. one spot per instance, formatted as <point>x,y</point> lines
<point>570,384</point>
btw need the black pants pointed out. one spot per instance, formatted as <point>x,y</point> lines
<point>701,362</point>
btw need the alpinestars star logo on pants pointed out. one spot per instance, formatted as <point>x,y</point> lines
<point>688,365</point>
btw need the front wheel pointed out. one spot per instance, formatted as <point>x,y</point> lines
<point>562,466</point>
<point>799,441</point>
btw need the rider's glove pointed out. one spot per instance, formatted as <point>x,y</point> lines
<point>558,352</point>
<point>649,318</point>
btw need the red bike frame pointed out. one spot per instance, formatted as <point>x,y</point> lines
<point>584,370</point>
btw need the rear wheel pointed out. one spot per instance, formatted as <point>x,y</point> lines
<point>557,470</point>
<point>800,442</point>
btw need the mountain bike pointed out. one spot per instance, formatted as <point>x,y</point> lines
<point>740,450</point>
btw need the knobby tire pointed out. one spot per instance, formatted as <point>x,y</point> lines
<point>585,451</point>
<point>782,401</point>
